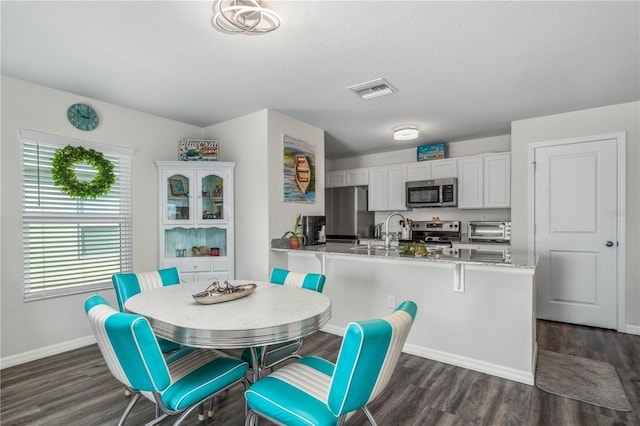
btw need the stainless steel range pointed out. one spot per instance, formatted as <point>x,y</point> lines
<point>435,234</point>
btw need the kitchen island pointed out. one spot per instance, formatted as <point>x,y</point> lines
<point>476,309</point>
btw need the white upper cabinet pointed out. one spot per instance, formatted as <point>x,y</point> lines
<point>497,180</point>
<point>356,177</point>
<point>387,188</point>
<point>434,169</point>
<point>419,171</point>
<point>484,181</point>
<point>334,179</point>
<point>444,168</point>
<point>470,182</point>
<point>353,177</point>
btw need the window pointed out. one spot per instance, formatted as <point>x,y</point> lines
<point>72,245</point>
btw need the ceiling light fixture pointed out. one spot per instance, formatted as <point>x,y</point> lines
<point>243,17</point>
<point>405,133</point>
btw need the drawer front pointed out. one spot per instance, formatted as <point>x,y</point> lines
<point>170,264</point>
<point>220,265</point>
<point>195,265</point>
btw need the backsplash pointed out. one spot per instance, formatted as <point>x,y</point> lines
<point>463,215</point>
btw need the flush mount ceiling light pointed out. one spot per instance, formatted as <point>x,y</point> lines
<point>243,17</point>
<point>405,133</point>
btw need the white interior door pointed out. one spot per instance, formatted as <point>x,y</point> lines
<point>576,232</point>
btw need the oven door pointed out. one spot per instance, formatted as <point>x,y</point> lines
<point>495,231</point>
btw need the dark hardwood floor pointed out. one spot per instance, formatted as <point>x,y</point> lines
<point>75,388</point>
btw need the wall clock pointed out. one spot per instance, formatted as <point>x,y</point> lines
<point>82,116</point>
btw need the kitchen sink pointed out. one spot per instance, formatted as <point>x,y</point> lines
<point>373,248</point>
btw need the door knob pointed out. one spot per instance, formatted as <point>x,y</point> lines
<point>609,243</point>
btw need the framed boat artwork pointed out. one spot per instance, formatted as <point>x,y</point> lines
<point>299,168</point>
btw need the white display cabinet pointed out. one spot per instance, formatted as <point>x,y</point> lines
<point>196,219</point>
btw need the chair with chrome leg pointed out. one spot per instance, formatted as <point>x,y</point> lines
<point>184,380</point>
<point>314,391</point>
<point>274,354</point>
<point>130,284</point>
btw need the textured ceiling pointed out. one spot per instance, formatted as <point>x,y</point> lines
<point>463,70</point>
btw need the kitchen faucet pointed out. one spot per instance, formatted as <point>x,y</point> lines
<point>387,236</point>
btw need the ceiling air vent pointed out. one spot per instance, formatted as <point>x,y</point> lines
<point>372,89</point>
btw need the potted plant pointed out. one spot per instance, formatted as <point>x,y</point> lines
<point>294,238</point>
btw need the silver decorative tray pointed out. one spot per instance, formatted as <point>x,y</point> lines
<point>217,293</point>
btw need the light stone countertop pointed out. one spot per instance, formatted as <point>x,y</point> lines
<point>500,258</point>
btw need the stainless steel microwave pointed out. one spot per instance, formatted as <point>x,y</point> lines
<point>432,193</point>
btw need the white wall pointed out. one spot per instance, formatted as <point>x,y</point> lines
<point>254,142</point>
<point>39,328</point>
<point>244,141</point>
<point>282,215</point>
<point>615,118</point>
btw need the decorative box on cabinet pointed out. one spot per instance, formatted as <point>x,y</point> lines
<point>196,219</point>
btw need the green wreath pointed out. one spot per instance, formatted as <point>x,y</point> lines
<point>65,177</point>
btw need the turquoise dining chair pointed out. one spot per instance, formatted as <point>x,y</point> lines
<point>130,284</point>
<point>314,391</point>
<point>185,379</point>
<point>272,355</point>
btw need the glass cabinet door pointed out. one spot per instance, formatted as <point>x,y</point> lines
<point>212,198</point>
<point>178,199</point>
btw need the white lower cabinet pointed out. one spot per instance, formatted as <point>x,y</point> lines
<point>387,188</point>
<point>201,269</point>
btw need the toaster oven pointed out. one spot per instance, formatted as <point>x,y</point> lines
<point>489,231</point>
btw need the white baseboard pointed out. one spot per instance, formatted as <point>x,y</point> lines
<point>526,377</point>
<point>632,329</point>
<point>39,353</point>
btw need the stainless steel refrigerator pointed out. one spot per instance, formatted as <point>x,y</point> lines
<point>347,216</point>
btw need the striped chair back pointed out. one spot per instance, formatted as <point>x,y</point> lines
<point>368,356</point>
<point>128,346</point>
<point>178,383</point>
<point>130,284</point>
<point>313,282</point>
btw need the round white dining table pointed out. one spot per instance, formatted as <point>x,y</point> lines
<point>271,314</point>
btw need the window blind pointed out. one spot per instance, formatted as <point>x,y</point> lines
<point>72,245</point>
